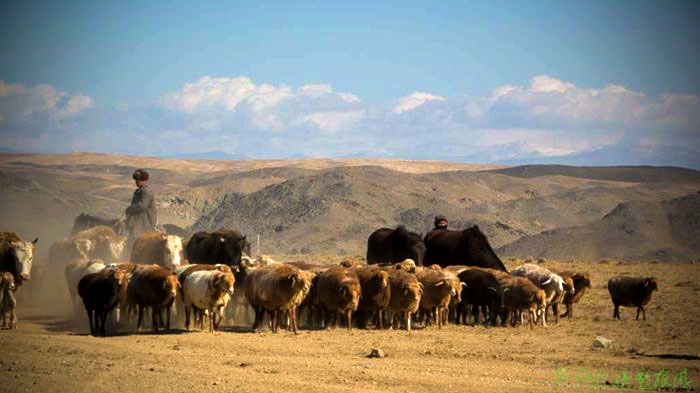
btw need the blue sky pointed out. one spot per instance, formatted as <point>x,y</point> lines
<point>91,75</point>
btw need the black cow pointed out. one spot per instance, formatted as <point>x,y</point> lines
<point>468,247</point>
<point>85,221</point>
<point>223,246</point>
<point>386,245</point>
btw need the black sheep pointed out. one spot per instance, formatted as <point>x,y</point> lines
<point>631,292</point>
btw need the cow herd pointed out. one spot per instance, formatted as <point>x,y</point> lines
<point>445,277</point>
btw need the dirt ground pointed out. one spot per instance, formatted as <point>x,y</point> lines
<point>52,352</point>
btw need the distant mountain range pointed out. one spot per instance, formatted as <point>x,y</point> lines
<point>507,154</point>
<point>678,156</point>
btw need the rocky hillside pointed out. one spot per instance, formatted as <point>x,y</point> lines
<point>667,231</point>
<point>331,206</point>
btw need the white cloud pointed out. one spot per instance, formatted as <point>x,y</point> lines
<point>333,121</point>
<point>414,100</point>
<point>550,103</point>
<point>545,84</point>
<point>543,117</point>
<point>38,105</point>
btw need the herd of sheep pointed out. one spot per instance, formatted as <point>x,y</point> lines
<point>158,279</point>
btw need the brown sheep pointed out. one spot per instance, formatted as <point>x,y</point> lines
<point>406,293</point>
<point>339,292</point>
<point>631,292</point>
<point>438,290</point>
<point>554,286</point>
<point>520,294</point>
<point>277,288</point>
<point>155,287</point>
<point>101,293</point>
<point>8,302</point>
<point>374,283</point>
<point>582,282</point>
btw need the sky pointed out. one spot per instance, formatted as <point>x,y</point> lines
<point>465,81</point>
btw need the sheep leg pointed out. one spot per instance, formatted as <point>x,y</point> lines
<point>349,315</point>
<point>257,321</point>
<point>616,311</point>
<point>155,316</point>
<point>380,315</point>
<point>555,310</point>
<point>212,320</point>
<point>140,319</point>
<point>293,317</point>
<point>103,319</point>
<point>408,321</point>
<point>13,319</point>
<point>187,318</point>
<point>89,313</point>
<point>167,320</point>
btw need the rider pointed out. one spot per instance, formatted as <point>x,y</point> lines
<point>141,216</point>
<point>440,222</point>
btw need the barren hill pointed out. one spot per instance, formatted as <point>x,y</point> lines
<point>331,206</point>
<point>666,231</point>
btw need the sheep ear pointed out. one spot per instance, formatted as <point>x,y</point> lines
<point>405,292</point>
<point>492,289</point>
<point>440,283</point>
<point>548,281</point>
<point>35,240</point>
<point>646,282</point>
<point>464,284</point>
<point>506,290</point>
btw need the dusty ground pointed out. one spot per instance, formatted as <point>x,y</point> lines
<point>50,352</point>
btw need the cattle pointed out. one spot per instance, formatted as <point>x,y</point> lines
<point>438,290</point>
<point>277,288</point>
<point>482,290</point>
<point>520,294</point>
<point>101,293</point>
<point>16,256</point>
<point>75,271</point>
<point>554,286</point>
<point>468,247</point>
<point>582,282</point>
<point>631,292</point>
<point>208,290</point>
<point>158,248</point>
<point>155,287</point>
<point>85,221</point>
<point>172,229</point>
<point>406,293</point>
<point>386,245</point>
<point>223,246</point>
<point>339,292</point>
<point>374,285</point>
<point>106,243</point>
<point>63,252</point>
<point>8,302</point>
